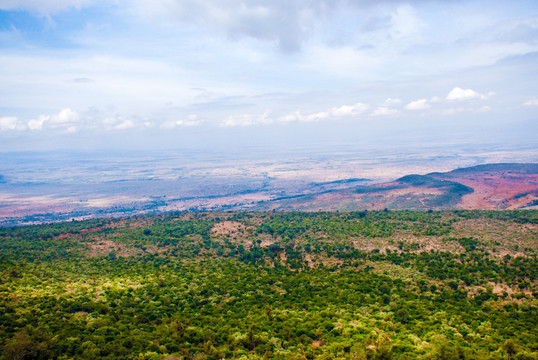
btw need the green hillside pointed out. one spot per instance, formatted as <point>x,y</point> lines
<point>353,285</point>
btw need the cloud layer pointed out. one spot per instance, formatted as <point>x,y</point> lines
<point>71,121</point>
<point>172,66</point>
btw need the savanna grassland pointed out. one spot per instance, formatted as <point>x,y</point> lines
<point>351,285</point>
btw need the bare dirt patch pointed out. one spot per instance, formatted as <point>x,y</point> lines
<point>227,228</point>
<point>497,288</point>
<point>103,247</point>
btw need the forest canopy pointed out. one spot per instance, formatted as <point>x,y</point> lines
<point>351,285</point>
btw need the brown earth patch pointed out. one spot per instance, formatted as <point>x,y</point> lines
<point>266,240</point>
<point>227,228</point>
<point>496,288</point>
<point>103,247</point>
<point>500,288</point>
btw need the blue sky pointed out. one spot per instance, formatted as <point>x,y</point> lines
<point>94,74</point>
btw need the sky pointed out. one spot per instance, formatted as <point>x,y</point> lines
<point>162,74</point>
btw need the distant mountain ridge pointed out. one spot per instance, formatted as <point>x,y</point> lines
<point>489,187</point>
<point>528,168</point>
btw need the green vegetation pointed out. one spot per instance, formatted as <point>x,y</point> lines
<point>354,285</point>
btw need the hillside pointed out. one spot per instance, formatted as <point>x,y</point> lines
<point>497,186</point>
<point>288,188</point>
<point>241,285</point>
<point>486,187</point>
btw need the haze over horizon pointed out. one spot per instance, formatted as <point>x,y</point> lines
<point>130,74</point>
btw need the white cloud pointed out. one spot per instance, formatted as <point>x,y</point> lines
<point>346,110</point>
<point>247,120</point>
<point>64,118</point>
<point>191,120</point>
<point>238,120</point>
<point>295,116</point>
<point>391,101</point>
<point>322,115</point>
<point>37,124</point>
<point>533,102</point>
<point>464,94</point>
<point>314,116</point>
<point>8,123</point>
<point>124,125</point>
<point>283,22</point>
<point>405,22</point>
<point>338,111</point>
<point>110,122</point>
<point>384,111</point>
<point>418,105</point>
<point>435,99</point>
<point>187,123</point>
<point>298,116</point>
<point>117,123</point>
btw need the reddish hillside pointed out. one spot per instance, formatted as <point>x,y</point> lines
<point>494,186</point>
<point>497,186</point>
